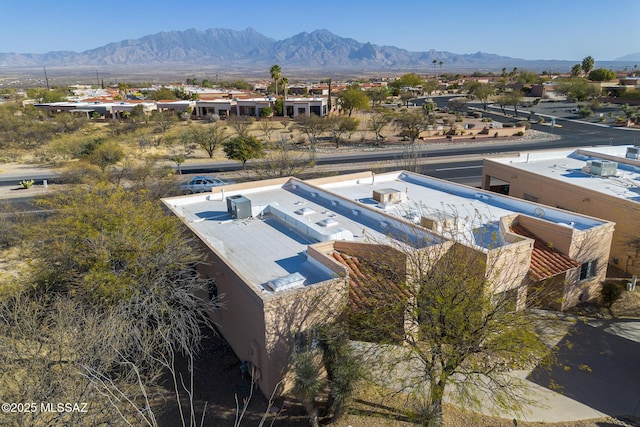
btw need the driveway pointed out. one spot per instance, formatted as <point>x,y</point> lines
<point>597,368</point>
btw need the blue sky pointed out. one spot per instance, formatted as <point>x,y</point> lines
<point>541,29</point>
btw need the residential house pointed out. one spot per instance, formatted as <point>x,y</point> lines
<point>275,250</point>
<point>603,182</point>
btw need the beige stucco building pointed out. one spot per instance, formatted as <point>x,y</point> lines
<point>603,182</point>
<point>274,249</point>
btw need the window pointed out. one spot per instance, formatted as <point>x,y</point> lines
<point>531,197</point>
<point>305,340</point>
<point>588,270</point>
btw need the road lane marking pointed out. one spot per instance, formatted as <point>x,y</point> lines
<point>453,169</point>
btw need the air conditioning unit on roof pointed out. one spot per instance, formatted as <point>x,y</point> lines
<point>633,153</point>
<point>603,168</point>
<point>388,196</point>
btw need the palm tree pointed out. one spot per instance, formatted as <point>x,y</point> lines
<point>284,81</point>
<point>276,73</point>
<point>441,63</point>
<point>328,82</point>
<point>434,62</point>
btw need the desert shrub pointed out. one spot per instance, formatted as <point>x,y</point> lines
<point>610,293</point>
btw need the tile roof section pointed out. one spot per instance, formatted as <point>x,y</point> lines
<point>366,290</point>
<point>545,261</point>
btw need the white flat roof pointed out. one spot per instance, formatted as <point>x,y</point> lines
<point>289,216</point>
<point>566,166</point>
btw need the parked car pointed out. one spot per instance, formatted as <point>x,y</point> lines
<point>201,184</point>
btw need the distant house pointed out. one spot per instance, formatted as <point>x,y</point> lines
<point>295,107</point>
<point>221,107</point>
<point>176,107</point>
<point>253,106</point>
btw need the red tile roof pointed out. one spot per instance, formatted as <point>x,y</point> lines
<point>545,260</point>
<point>368,286</point>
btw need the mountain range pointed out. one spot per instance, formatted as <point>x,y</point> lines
<point>250,50</point>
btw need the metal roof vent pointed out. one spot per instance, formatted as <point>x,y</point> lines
<point>328,222</point>
<point>305,211</point>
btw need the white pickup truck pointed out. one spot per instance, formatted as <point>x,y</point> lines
<point>201,184</point>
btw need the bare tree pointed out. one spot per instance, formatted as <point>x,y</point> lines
<point>283,159</point>
<point>240,125</point>
<point>267,128</point>
<point>411,123</point>
<point>312,126</point>
<point>378,119</point>
<point>207,136</point>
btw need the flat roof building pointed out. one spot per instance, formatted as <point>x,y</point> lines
<point>603,182</point>
<point>274,248</point>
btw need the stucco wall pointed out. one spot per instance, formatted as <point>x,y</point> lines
<point>551,192</point>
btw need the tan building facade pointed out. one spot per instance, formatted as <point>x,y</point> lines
<point>273,250</point>
<point>575,180</point>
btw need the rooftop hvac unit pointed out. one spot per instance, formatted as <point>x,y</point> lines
<point>632,153</point>
<point>603,168</point>
<point>388,196</point>
<point>239,206</point>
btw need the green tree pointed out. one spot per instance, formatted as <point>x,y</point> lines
<point>601,75</point>
<point>587,64</point>
<point>163,94</point>
<point>378,95</point>
<point>484,93</point>
<point>576,70</point>
<point>163,119</point>
<point>207,136</point>
<point>407,80</point>
<point>465,335</point>
<point>578,88</point>
<point>515,98</point>
<point>307,383</point>
<point>276,73</point>
<point>105,154</point>
<point>429,86</point>
<point>471,86</point>
<point>353,98</point>
<point>43,95</point>
<point>243,149</point>
<point>113,281</point>
<point>342,366</point>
